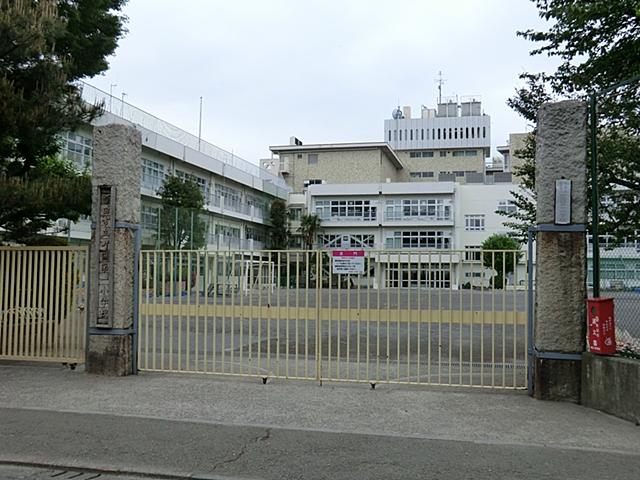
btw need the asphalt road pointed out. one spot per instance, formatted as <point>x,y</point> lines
<point>197,426</point>
<point>193,450</point>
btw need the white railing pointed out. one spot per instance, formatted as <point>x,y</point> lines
<point>122,109</point>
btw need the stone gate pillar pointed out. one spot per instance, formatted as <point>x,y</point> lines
<point>115,214</point>
<point>560,325</point>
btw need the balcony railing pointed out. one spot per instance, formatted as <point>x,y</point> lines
<point>338,218</point>
<point>124,110</point>
<point>399,215</point>
<point>400,243</point>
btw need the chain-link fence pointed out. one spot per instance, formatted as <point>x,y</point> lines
<point>614,240</point>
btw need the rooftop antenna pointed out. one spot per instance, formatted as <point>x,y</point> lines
<point>440,81</point>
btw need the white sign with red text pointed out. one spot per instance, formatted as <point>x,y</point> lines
<point>348,261</point>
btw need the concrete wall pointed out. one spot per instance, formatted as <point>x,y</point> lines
<point>343,166</point>
<point>438,164</point>
<point>612,384</point>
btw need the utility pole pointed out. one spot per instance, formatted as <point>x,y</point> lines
<point>200,125</point>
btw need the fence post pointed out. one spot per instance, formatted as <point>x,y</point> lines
<point>561,147</point>
<point>116,215</point>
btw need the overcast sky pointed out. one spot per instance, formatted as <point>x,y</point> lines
<point>325,71</point>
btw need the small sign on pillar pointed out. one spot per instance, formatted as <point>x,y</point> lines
<point>563,202</point>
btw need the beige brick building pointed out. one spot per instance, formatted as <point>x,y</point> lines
<point>362,162</point>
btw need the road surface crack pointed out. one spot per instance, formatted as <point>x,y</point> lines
<point>243,449</point>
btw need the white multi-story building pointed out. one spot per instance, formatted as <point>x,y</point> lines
<point>449,221</point>
<point>449,143</point>
<point>237,193</point>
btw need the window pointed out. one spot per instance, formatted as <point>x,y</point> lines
<point>78,149</point>
<point>389,135</point>
<point>313,181</point>
<point>395,135</point>
<point>227,231</point>
<point>444,133</point>
<point>473,253</point>
<point>312,159</point>
<point>251,233</point>
<point>420,154</point>
<point>443,154</point>
<point>232,197</point>
<point>201,182</point>
<point>421,174</point>
<point>473,274</point>
<point>450,137</point>
<point>470,153</point>
<point>400,135</point>
<point>411,132</point>
<point>473,132</point>
<point>458,153</point>
<point>412,275</point>
<point>149,218</point>
<point>346,210</point>
<point>458,173</point>
<point>507,206</point>
<point>422,134</point>
<point>153,174</point>
<point>474,223</point>
<point>428,208</point>
<point>455,133</point>
<point>478,132</point>
<point>484,132</point>
<point>438,134</point>
<point>466,134</point>
<point>295,213</point>
<point>419,239</point>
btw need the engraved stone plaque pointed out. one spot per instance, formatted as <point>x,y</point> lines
<point>563,202</point>
<point>105,236</point>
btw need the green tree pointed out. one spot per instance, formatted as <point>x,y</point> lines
<point>598,44</point>
<point>45,47</point>
<point>53,190</point>
<point>309,227</point>
<point>279,228</point>
<point>500,254</point>
<point>181,223</point>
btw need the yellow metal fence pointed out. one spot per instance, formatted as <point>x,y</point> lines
<point>42,303</point>
<point>441,317</point>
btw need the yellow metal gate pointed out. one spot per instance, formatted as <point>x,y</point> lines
<point>42,303</point>
<point>443,317</point>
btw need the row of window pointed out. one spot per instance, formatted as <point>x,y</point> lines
<point>433,208</point>
<point>413,275</point>
<point>419,239</point>
<point>454,133</point>
<point>154,174</point>
<point>443,153</point>
<point>150,221</point>
<point>421,174</point>
<point>346,209</point>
